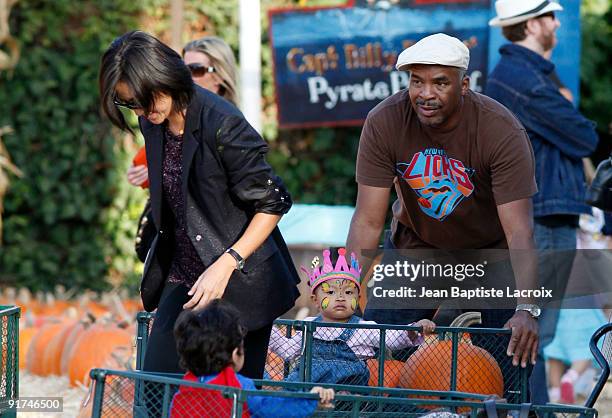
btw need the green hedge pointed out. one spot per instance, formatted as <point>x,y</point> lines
<point>62,219</point>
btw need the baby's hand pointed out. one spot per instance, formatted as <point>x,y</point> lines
<point>428,326</point>
<point>326,396</point>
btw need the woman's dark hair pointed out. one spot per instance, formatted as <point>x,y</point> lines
<point>206,338</point>
<point>148,67</point>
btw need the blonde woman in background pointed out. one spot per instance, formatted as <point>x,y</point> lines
<point>213,67</point>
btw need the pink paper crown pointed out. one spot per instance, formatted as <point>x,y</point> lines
<point>342,270</point>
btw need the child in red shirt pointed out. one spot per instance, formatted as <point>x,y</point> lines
<point>210,346</point>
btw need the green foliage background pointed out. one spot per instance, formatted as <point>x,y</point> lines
<point>61,219</point>
<point>596,77</point>
<point>71,219</point>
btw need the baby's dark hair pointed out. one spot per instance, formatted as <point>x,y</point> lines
<point>206,338</point>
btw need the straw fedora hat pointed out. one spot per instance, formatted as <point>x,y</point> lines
<point>510,12</point>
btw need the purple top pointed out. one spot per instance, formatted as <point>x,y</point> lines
<point>186,265</point>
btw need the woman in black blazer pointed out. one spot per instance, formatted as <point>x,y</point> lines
<point>213,195</point>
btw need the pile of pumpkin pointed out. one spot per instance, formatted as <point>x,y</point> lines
<point>60,335</point>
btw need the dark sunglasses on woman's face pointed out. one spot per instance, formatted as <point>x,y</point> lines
<point>132,104</point>
<point>198,70</point>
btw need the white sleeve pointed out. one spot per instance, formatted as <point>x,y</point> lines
<point>368,337</point>
<point>397,339</point>
<point>394,339</point>
<point>287,348</point>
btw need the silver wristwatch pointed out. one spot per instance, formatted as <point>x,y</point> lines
<point>534,310</point>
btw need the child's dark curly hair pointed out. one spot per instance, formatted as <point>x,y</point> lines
<point>206,338</point>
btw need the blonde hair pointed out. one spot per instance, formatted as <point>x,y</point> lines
<point>222,58</point>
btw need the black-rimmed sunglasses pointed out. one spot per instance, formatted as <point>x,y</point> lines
<point>132,104</point>
<point>198,70</point>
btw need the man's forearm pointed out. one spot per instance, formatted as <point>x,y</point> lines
<point>524,261</point>
<point>362,235</point>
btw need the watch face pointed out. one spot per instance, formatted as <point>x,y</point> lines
<point>535,311</point>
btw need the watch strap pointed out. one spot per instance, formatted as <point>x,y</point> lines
<point>239,259</point>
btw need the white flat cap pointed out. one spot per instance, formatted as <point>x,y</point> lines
<point>511,12</point>
<point>437,49</point>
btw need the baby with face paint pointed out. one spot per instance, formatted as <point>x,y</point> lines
<point>339,354</point>
<point>337,299</point>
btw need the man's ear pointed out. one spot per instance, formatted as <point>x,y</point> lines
<point>313,298</point>
<point>532,27</point>
<point>465,85</point>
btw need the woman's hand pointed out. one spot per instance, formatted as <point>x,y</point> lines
<point>137,175</point>
<point>212,283</point>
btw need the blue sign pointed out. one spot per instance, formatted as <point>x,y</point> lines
<point>333,65</point>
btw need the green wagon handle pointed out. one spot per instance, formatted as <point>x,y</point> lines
<point>603,358</point>
<point>361,395</point>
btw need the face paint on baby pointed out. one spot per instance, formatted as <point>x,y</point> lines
<point>337,299</point>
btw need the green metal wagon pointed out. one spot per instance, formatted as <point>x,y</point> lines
<point>9,359</point>
<point>140,394</point>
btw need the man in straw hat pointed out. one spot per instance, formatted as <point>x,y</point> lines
<point>559,134</point>
<point>463,170</point>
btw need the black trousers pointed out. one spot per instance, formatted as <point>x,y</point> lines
<point>161,355</point>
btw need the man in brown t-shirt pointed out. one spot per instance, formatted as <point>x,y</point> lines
<point>462,167</point>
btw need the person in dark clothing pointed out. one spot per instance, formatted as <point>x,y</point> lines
<point>215,201</point>
<point>561,137</point>
<point>213,67</point>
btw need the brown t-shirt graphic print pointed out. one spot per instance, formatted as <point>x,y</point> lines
<point>440,182</point>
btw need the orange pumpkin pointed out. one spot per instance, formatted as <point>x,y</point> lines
<point>25,339</point>
<point>275,366</point>
<point>93,348</point>
<point>55,308</point>
<point>40,341</point>
<point>72,337</point>
<point>429,368</point>
<point>392,373</point>
<point>96,309</point>
<point>52,356</point>
<point>31,306</point>
<point>133,306</point>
